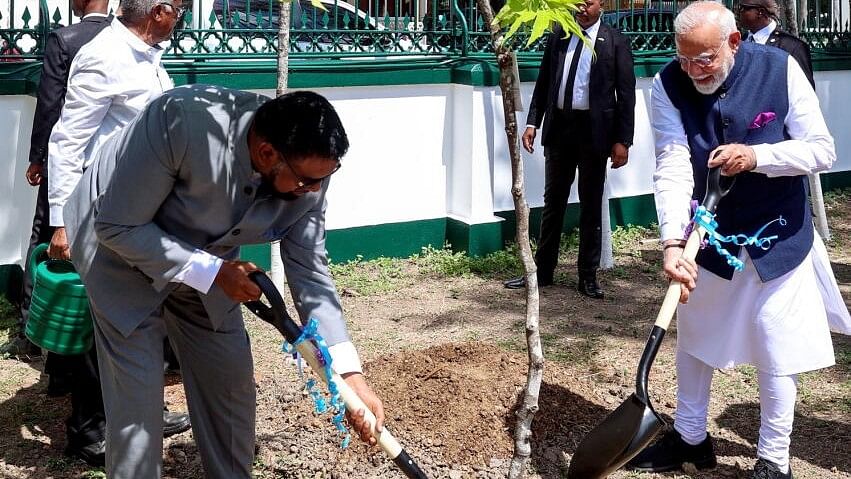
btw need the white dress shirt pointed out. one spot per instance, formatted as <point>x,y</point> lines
<point>761,35</point>
<point>583,70</point>
<point>809,150</point>
<point>112,78</point>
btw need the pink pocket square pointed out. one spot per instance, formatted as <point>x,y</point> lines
<point>762,119</point>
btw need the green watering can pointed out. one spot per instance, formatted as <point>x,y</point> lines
<point>60,320</point>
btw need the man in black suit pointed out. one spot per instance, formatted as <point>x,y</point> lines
<point>587,104</point>
<point>76,374</point>
<point>759,17</point>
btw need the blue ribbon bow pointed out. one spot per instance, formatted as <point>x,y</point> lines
<point>706,220</point>
<point>320,405</point>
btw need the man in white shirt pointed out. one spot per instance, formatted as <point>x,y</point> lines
<point>111,79</point>
<point>750,110</point>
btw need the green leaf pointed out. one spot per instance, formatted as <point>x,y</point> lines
<point>543,22</point>
<point>523,18</point>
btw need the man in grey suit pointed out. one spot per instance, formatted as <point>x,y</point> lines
<point>155,226</point>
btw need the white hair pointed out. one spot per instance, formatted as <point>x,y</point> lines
<point>135,11</point>
<point>698,13</point>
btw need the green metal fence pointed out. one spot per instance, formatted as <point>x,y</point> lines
<point>397,29</point>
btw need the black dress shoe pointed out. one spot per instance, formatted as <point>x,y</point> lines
<point>175,423</point>
<point>515,283</point>
<point>518,283</point>
<point>765,469</point>
<point>671,452</point>
<point>590,288</point>
<point>94,454</point>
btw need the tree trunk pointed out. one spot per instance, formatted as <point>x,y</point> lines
<point>283,47</point>
<point>788,15</point>
<point>529,406</point>
<point>277,265</point>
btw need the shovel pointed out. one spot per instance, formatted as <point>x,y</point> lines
<point>631,427</point>
<point>277,316</point>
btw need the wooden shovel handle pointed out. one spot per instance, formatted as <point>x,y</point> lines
<point>672,296</point>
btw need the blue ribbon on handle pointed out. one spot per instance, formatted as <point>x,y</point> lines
<point>320,405</point>
<point>706,220</point>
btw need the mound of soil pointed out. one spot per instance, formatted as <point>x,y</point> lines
<point>451,406</point>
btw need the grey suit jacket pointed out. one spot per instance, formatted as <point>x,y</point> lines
<point>179,177</point>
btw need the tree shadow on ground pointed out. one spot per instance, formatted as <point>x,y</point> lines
<point>563,420</point>
<point>32,433</point>
<point>817,441</point>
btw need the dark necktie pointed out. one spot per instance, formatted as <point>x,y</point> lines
<point>571,74</point>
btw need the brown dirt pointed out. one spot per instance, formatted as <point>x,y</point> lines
<point>447,356</point>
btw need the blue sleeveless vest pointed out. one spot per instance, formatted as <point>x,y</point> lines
<point>756,84</point>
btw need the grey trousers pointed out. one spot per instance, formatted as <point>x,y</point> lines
<point>217,370</point>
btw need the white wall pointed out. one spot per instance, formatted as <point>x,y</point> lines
<point>417,152</point>
<point>17,197</point>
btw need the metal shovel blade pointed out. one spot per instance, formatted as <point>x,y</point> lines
<point>616,440</point>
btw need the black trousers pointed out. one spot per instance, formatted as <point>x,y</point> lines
<point>86,422</point>
<point>571,149</point>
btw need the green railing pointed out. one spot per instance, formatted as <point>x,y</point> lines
<point>396,29</point>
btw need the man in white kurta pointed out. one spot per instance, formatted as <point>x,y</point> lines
<point>780,323</point>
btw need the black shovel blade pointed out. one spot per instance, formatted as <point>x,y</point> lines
<point>616,440</point>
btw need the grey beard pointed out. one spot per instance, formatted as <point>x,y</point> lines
<point>717,79</point>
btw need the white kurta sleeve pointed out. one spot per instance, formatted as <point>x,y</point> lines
<point>673,180</point>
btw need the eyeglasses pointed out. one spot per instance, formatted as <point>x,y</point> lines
<point>178,11</point>
<point>306,182</point>
<point>702,61</point>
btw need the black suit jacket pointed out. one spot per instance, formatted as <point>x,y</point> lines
<point>796,48</point>
<point>61,48</point>
<point>611,89</point>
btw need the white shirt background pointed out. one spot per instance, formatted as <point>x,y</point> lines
<point>583,70</point>
<point>761,35</point>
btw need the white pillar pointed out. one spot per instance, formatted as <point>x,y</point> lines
<point>607,258</point>
<point>277,266</point>
<point>818,206</point>
<point>840,13</point>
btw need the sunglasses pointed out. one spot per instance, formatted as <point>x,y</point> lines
<point>304,181</point>
<point>702,61</point>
